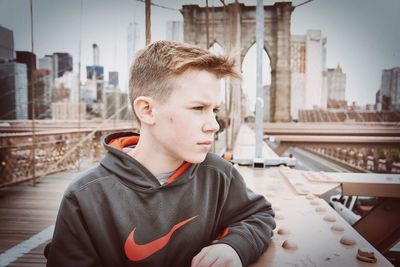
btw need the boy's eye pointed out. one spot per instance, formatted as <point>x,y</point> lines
<point>202,108</point>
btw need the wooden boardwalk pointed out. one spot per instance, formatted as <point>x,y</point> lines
<point>26,210</point>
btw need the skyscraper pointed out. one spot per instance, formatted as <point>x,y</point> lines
<point>95,73</point>
<point>62,63</point>
<point>47,62</point>
<point>308,54</point>
<point>388,96</point>
<point>14,91</point>
<point>29,59</point>
<point>43,99</point>
<point>335,84</point>
<point>6,44</point>
<point>46,67</point>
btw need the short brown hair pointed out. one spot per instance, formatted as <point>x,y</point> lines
<point>156,65</point>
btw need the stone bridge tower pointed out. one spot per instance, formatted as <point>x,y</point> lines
<point>234,28</point>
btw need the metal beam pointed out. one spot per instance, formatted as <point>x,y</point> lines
<point>381,226</point>
<point>259,93</point>
<point>326,140</point>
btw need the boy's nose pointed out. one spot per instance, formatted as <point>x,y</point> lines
<point>211,125</point>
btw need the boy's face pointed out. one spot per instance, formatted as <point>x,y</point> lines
<point>185,123</point>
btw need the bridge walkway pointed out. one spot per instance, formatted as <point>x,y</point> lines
<point>28,213</point>
<point>27,217</point>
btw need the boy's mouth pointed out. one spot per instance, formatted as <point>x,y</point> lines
<point>206,144</point>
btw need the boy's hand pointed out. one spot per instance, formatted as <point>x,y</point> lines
<point>218,255</point>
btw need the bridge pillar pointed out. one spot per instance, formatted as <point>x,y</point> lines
<point>234,28</point>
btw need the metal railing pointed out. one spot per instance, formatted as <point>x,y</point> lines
<point>54,151</point>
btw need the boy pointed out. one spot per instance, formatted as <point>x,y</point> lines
<point>162,199</point>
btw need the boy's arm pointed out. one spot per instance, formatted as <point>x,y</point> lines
<point>71,244</point>
<point>247,219</point>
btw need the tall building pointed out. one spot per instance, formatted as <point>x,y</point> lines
<point>96,73</point>
<point>298,75</point>
<point>308,54</point>
<point>29,59</point>
<point>335,83</point>
<point>62,63</point>
<point>43,94</point>
<point>6,45</point>
<point>58,63</point>
<point>388,96</point>
<point>14,91</point>
<point>174,31</point>
<point>47,63</point>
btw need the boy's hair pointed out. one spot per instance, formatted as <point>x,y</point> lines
<point>157,64</point>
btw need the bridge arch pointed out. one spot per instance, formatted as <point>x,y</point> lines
<point>249,71</point>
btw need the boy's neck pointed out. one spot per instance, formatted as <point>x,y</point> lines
<point>150,155</point>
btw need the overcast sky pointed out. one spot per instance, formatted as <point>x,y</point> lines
<point>363,36</point>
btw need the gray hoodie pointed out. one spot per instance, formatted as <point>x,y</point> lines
<point>118,214</point>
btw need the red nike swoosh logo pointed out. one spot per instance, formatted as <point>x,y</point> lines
<point>136,252</point>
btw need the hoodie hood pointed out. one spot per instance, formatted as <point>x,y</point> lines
<point>131,172</point>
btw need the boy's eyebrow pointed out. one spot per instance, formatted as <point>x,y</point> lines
<point>204,103</point>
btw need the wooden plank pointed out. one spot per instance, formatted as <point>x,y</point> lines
<point>26,210</point>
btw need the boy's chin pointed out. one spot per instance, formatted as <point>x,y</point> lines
<point>196,158</point>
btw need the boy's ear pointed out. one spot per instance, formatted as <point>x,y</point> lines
<point>143,106</point>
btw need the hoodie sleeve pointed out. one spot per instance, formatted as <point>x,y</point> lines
<point>71,244</point>
<point>247,219</point>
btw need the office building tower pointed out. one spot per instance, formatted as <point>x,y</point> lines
<point>388,96</point>
<point>47,63</point>
<point>6,45</point>
<point>29,59</point>
<point>43,93</point>
<point>308,54</point>
<point>62,63</point>
<point>335,83</point>
<point>14,91</point>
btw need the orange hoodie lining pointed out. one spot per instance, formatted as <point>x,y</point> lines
<point>178,173</point>
<point>224,233</point>
<point>121,142</point>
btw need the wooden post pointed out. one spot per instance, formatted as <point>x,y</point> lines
<point>148,22</point>
<point>207,26</point>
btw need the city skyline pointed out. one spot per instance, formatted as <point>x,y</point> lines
<point>363,47</point>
